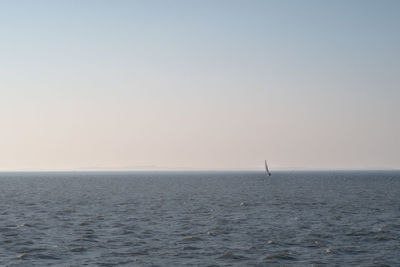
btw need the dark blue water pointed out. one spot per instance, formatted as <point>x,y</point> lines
<point>200,218</point>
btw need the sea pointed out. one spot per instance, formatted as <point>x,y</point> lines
<point>200,218</point>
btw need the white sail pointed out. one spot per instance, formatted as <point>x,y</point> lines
<point>266,168</point>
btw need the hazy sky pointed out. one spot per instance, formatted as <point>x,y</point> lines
<point>199,84</point>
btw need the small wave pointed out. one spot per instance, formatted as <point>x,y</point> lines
<point>140,253</point>
<point>127,232</point>
<point>124,262</point>
<point>191,238</point>
<point>359,233</point>
<point>32,250</point>
<point>190,248</point>
<point>10,226</point>
<point>78,249</point>
<point>11,233</point>
<point>349,250</point>
<point>87,222</point>
<point>23,224</point>
<point>231,255</point>
<point>66,211</point>
<point>220,230</point>
<point>286,255</point>
<point>385,237</point>
<point>46,257</point>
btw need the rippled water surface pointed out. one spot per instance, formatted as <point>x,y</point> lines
<point>200,218</point>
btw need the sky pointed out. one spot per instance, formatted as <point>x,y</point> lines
<point>109,85</point>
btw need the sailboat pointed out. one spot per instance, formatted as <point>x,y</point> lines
<point>266,168</point>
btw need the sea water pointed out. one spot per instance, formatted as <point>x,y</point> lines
<point>200,218</point>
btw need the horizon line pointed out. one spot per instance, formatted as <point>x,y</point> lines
<point>198,170</point>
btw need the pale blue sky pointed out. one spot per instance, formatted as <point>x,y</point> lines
<point>199,84</point>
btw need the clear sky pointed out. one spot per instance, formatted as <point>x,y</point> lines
<point>199,84</point>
